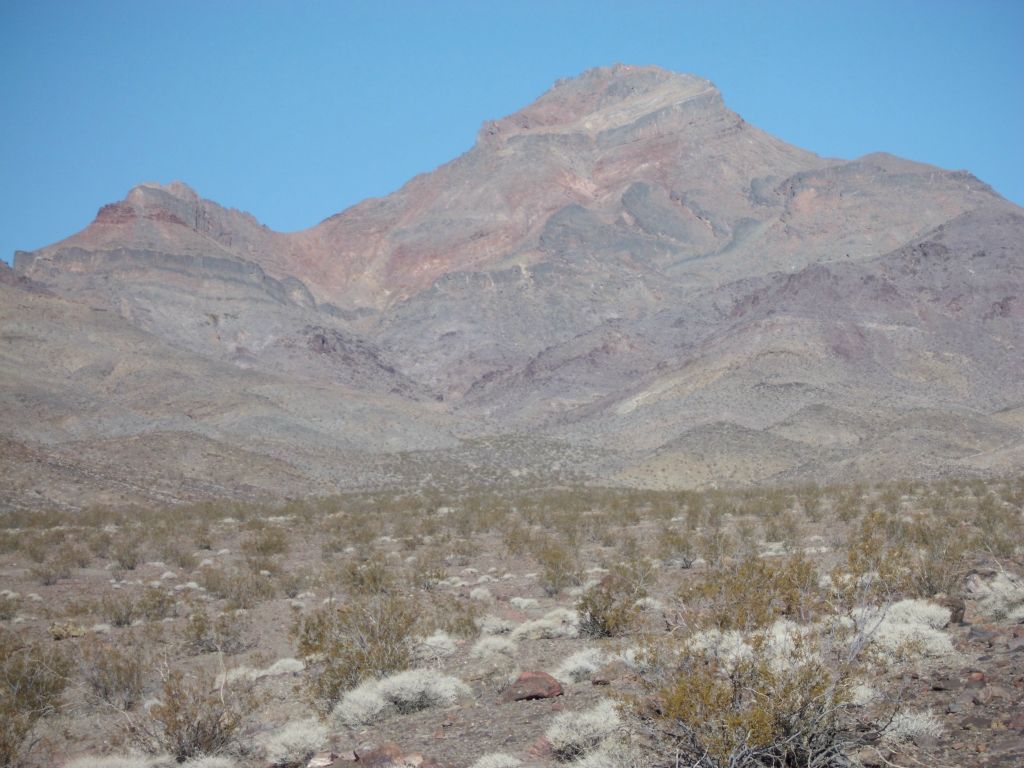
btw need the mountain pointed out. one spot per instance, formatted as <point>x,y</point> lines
<point>622,282</point>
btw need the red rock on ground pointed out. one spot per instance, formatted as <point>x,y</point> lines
<point>533,685</point>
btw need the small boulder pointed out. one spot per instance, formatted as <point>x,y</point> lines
<point>533,685</point>
<point>388,755</point>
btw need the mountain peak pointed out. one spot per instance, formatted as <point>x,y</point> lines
<point>603,99</point>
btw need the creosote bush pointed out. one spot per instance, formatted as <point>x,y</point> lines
<point>345,644</point>
<point>33,676</point>
<point>113,675</point>
<point>558,566</point>
<point>224,634</point>
<point>193,718</point>
<point>753,711</point>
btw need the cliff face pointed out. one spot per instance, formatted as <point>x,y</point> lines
<point>624,266</point>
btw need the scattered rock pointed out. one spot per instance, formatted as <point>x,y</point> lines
<point>976,679</point>
<point>384,756</point>
<point>533,685</point>
<point>956,605</point>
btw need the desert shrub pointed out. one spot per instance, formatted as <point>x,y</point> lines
<point>1001,526</point>
<point>295,744</point>
<point>580,666</point>
<point>516,537</point>
<point>405,692</point>
<point>224,634</point>
<point>754,592</point>
<point>558,566</point>
<point>497,760</point>
<point>192,718</point>
<point>750,710</point>
<point>609,608</point>
<point>676,547</point>
<point>490,646</point>
<point>999,596</point>
<point>560,622</point>
<point>572,735</point>
<point>715,545</point>
<point>874,569</point>
<point>50,571</point>
<point>33,676</point>
<point>939,561</point>
<point>343,645</point>
<point>907,726</point>
<point>182,556</point>
<point>10,602</point>
<point>267,541</point>
<point>368,577</point>
<point>155,604</point>
<point>241,589</point>
<point>75,555</point>
<point>118,608</point>
<point>455,615</point>
<point>112,675</point>
<point>127,552</point>
<point>428,570</point>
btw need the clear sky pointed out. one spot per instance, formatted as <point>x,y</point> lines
<point>295,110</point>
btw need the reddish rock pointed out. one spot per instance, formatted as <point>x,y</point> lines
<point>387,755</point>
<point>533,685</point>
<point>956,606</point>
<point>990,694</point>
<point>540,749</point>
<point>976,679</point>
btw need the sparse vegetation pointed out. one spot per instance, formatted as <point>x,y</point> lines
<point>778,645</point>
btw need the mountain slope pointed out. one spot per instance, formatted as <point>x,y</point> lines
<point>624,271</point>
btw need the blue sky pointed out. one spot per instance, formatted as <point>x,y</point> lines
<point>296,110</point>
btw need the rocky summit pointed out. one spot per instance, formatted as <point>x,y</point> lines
<point>622,283</point>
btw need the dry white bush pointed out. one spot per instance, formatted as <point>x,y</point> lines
<point>580,666</point>
<point>611,754</point>
<point>483,594</point>
<point>999,597</point>
<point>147,761</point>
<point>649,604</point>
<point>573,735</point>
<point>209,761</point>
<point>120,761</point>
<point>907,726</point>
<point>523,603</point>
<point>296,743</point>
<point>861,695</point>
<point>920,612</point>
<point>497,760</point>
<point>404,692</point>
<point>363,704</point>
<point>487,647</point>
<point>728,648</point>
<point>493,625</point>
<point>561,622</point>
<point>428,650</point>
<point>279,667</point>
<point>785,645</point>
<point>909,625</point>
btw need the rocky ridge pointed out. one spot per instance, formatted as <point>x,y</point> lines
<point>624,273</point>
